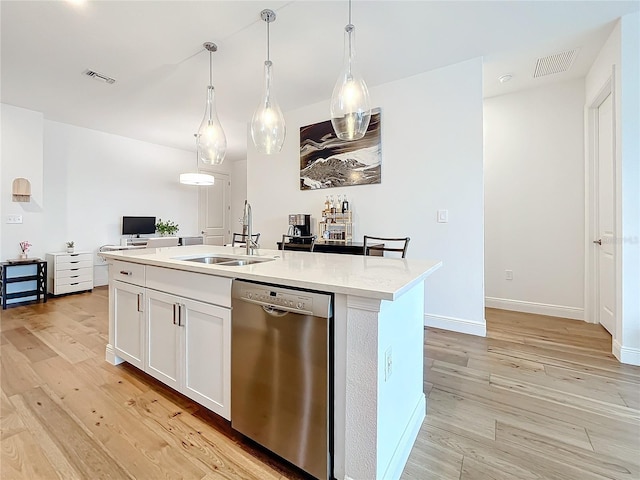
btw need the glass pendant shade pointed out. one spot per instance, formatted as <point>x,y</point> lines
<point>212,142</point>
<point>268,129</point>
<point>350,103</point>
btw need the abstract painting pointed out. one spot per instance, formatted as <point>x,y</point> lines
<point>327,162</point>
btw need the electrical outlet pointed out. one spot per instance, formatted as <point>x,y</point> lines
<point>443,216</point>
<point>508,274</point>
<point>388,364</point>
<point>14,218</point>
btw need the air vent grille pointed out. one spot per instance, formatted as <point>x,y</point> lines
<point>99,76</point>
<point>557,63</point>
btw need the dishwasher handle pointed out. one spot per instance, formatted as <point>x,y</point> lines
<point>274,312</point>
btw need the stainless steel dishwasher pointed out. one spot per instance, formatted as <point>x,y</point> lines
<point>281,372</point>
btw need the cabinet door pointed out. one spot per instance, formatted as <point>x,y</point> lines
<point>163,338</point>
<point>129,328</point>
<point>207,355</point>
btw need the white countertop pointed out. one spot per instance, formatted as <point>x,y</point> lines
<point>365,276</point>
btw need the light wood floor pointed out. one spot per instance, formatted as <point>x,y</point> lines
<point>539,398</point>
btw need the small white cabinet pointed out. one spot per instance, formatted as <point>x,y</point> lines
<point>69,272</point>
<point>189,348</point>
<point>128,309</point>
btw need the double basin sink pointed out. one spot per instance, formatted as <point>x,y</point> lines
<point>224,261</point>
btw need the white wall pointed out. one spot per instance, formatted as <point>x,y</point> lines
<point>238,194</point>
<point>83,182</point>
<point>534,199</point>
<point>621,55</point>
<point>22,156</point>
<point>630,188</point>
<point>432,159</point>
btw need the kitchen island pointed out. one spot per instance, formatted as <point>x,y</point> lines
<point>379,403</point>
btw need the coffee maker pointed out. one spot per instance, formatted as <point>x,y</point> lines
<point>300,225</point>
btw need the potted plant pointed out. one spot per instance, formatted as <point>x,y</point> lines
<point>70,246</point>
<point>166,228</point>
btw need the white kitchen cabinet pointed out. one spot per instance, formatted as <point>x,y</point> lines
<point>127,305</point>
<point>188,348</point>
<point>69,272</point>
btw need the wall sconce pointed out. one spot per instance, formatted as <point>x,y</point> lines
<point>21,190</point>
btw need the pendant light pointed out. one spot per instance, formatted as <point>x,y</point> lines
<point>267,125</point>
<point>197,178</point>
<point>211,141</point>
<point>350,104</point>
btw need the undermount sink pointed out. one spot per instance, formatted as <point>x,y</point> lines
<point>225,261</point>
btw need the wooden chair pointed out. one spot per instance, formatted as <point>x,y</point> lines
<point>240,239</point>
<point>307,243</point>
<point>396,246</point>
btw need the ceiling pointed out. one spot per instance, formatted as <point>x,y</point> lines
<point>154,51</point>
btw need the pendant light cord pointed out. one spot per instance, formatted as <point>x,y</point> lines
<point>268,43</point>
<point>210,70</point>
<point>349,12</point>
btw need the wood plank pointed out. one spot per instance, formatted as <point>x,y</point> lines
<point>80,449</point>
<point>22,459</point>
<point>17,374</point>
<point>47,444</point>
<point>581,460</point>
<point>29,345</point>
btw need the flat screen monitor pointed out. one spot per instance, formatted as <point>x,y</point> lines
<point>138,225</point>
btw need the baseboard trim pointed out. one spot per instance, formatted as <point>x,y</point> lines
<point>111,357</point>
<point>573,313</point>
<point>403,449</point>
<point>456,325</point>
<point>628,355</point>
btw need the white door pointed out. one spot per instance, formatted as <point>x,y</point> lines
<point>605,217</point>
<point>163,338</point>
<point>214,210</point>
<point>207,355</point>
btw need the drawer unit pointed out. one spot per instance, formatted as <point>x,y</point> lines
<point>69,272</point>
<point>127,272</point>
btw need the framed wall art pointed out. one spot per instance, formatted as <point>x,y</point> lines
<point>328,162</point>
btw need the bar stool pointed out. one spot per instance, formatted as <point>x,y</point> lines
<point>240,239</point>
<point>398,245</point>
<point>307,242</point>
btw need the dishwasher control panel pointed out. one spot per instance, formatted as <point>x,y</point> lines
<point>276,298</point>
<point>281,298</point>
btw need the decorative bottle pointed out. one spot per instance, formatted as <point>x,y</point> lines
<point>345,205</point>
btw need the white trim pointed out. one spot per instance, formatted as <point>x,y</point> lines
<point>111,357</point>
<point>535,307</point>
<point>403,449</point>
<point>362,303</point>
<point>628,355</point>
<point>459,325</point>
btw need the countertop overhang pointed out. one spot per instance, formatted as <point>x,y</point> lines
<point>364,276</point>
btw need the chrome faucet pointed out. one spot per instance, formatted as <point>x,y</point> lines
<point>246,228</point>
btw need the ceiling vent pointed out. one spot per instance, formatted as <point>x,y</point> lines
<point>99,76</point>
<point>557,63</point>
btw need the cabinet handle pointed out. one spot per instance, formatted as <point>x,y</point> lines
<point>124,272</point>
<point>139,302</point>
<point>180,315</point>
<point>175,306</point>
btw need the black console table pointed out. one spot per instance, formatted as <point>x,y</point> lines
<point>331,246</point>
<point>40,277</point>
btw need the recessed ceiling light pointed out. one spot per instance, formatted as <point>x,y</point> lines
<point>505,78</point>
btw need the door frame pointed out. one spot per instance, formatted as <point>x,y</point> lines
<point>227,226</point>
<point>591,291</point>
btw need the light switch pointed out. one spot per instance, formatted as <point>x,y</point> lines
<point>443,216</point>
<point>14,218</point>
